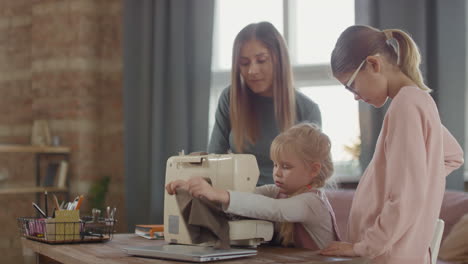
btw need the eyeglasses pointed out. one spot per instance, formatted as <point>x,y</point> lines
<point>353,77</point>
<point>351,80</point>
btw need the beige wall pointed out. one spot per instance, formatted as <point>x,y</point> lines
<point>60,60</point>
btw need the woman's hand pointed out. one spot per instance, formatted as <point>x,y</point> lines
<point>172,187</point>
<point>342,249</point>
<point>199,187</point>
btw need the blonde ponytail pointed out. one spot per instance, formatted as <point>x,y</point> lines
<point>286,233</point>
<point>410,58</point>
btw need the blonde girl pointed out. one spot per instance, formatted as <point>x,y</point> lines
<point>302,165</point>
<point>398,199</point>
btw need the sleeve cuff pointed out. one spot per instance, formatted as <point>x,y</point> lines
<point>226,207</point>
<point>360,249</point>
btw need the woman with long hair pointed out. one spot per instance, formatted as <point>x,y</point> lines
<point>261,101</point>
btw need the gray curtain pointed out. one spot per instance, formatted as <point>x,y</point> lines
<point>167,68</point>
<point>433,24</point>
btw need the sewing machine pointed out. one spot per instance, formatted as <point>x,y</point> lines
<point>238,172</point>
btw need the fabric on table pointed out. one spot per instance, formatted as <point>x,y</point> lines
<point>205,220</point>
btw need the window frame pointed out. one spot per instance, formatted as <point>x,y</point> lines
<point>304,74</point>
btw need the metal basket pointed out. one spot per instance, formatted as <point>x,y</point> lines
<point>53,231</point>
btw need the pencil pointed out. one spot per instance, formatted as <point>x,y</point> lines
<point>45,198</point>
<point>39,209</point>
<point>57,206</point>
<point>79,202</point>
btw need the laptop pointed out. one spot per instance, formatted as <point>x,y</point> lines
<point>189,253</point>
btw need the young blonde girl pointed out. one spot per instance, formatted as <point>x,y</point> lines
<point>398,199</point>
<point>302,165</point>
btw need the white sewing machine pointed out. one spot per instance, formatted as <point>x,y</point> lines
<point>237,172</point>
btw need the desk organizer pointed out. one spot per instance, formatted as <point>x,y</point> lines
<point>67,227</point>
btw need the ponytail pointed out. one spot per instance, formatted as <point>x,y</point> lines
<point>286,233</point>
<point>409,56</point>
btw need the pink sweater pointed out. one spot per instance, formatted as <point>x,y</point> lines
<point>398,199</point>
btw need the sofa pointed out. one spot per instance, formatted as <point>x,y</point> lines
<point>454,206</point>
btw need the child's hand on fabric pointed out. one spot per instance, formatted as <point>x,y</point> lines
<point>172,187</point>
<point>342,249</point>
<point>199,187</point>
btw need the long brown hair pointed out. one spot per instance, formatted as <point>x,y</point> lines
<point>359,41</point>
<point>244,120</point>
<point>310,144</point>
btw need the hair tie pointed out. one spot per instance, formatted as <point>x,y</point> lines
<point>393,42</point>
<point>309,186</point>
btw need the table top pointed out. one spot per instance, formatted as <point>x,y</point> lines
<point>112,252</point>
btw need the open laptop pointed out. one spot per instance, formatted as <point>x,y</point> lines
<point>189,253</point>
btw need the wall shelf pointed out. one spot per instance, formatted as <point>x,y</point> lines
<point>24,190</point>
<point>12,148</point>
<point>38,151</point>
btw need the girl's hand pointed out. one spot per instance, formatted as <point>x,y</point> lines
<point>172,187</point>
<point>199,187</point>
<point>342,249</point>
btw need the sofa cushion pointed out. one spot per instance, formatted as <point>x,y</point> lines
<point>439,261</point>
<point>340,201</point>
<point>454,206</point>
<point>455,246</point>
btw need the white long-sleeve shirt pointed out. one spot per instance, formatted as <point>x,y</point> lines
<point>398,199</point>
<point>306,208</point>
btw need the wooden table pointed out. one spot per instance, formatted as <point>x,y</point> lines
<point>112,252</point>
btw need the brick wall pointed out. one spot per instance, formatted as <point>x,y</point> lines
<point>60,60</point>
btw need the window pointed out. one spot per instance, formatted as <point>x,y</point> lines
<point>311,29</point>
<point>340,121</point>
<point>228,23</point>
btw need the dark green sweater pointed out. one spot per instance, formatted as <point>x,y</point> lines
<point>222,138</point>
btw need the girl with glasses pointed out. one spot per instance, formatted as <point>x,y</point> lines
<point>398,199</point>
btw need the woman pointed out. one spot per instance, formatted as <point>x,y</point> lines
<point>261,101</point>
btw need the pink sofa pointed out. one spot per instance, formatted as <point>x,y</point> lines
<point>454,206</point>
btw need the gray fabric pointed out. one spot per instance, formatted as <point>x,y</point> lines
<point>167,67</point>
<point>222,137</point>
<point>441,41</point>
<point>206,220</point>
